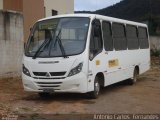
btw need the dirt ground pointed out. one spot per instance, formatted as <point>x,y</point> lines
<point>143,97</point>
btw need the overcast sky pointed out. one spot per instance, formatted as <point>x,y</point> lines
<point>91,5</point>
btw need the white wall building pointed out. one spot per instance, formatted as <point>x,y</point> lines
<point>54,7</point>
<point>1,4</point>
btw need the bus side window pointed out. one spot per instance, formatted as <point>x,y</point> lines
<point>107,36</point>
<point>96,45</point>
<point>143,38</point>
<point>120,41</point>
<point>132,37</point>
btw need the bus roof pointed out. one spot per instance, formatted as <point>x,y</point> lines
<point>101,17</point>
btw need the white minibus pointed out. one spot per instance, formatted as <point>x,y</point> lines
<point>80,53</point>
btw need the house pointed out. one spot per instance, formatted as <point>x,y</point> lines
<point>33,10</point>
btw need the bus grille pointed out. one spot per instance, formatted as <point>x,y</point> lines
<point>57,73</point>
<point>40,73</point>
<point>51,73</point>
<point>53,85</point>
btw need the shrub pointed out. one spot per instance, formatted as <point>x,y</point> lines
<point>155,52</point>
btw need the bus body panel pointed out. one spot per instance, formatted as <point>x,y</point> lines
<point>127,61</point>
<point>115,65</point>
<point>76,83</point>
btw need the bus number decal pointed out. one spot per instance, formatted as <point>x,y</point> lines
<point>98,62</point>
<point>113,63</point>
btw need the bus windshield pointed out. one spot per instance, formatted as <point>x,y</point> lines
<point>48,37</point>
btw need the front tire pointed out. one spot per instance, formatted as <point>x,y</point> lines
<point>133,80</point>
<point>94,94</point>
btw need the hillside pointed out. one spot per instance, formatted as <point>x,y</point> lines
<point>135,10</point>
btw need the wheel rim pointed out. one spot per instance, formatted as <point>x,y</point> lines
<point>135,76</point>
<point>97,88</point>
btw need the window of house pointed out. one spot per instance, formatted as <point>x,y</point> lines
<point>54,12</point>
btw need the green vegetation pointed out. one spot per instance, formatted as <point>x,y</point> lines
<point>147,11</point>
<point>155,52</point>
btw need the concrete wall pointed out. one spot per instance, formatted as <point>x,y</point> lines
<point>62,6</point>
<point>15,5</point>
<point>155,42</point>
<point>32,10</point>
<point>11,42</point>
<point>1,4</point>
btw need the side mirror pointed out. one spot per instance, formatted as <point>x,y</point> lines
<point>92,53</point>
<point>96,28</point>
<point>24,45</point>
<point>31,29</point>
<point>96,32</point>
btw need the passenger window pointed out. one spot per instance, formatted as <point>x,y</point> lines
<point>96,45</point>
<point>107,36</point>
<point>132,37</point>
<point>120,42</point>
<point>143,38</point>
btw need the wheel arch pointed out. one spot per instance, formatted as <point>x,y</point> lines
<point>101,79</point>
<point>137,68</point>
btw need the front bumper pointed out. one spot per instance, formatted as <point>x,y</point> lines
<point>73,84</point>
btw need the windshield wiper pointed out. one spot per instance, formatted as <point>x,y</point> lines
<point>39,49</point>
<point>60,44</point>
<point>42,46</point>
<point>47,42</point>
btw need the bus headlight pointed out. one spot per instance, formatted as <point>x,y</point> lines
<point>76,70</point>
<point>26,71</point>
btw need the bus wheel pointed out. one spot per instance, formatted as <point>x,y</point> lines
<point>94,94</point>
<point>135,76</point>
